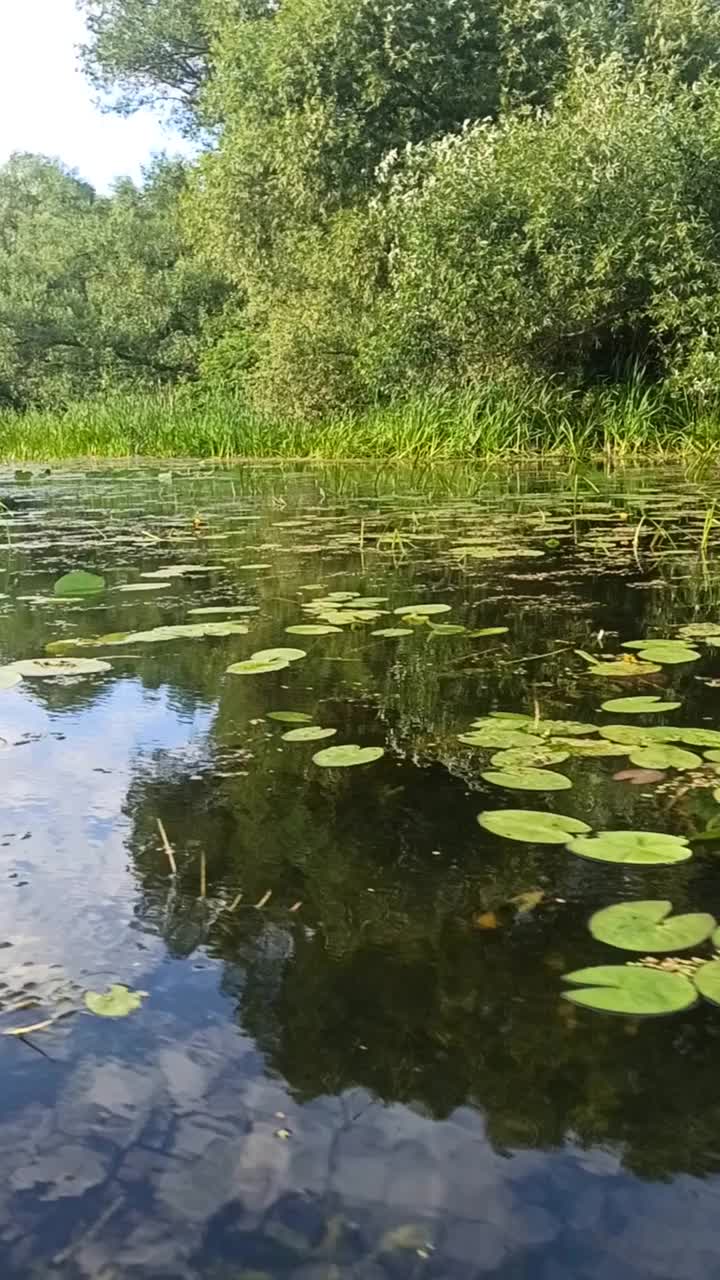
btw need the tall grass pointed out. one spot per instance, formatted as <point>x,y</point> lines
<point>491,422</point>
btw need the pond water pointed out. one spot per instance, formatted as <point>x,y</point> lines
<point>352,1056</point>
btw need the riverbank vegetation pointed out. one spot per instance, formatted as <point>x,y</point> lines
<point>434,228</point>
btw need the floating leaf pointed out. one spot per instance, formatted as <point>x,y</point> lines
<point>667,652</point>
<point>144,586</point>
<point>528,779</point>
<point>517,717</point>
<point>208,610</point>
<point>566,728</point>
<point>713,756</point>
<point>648,926</point>
<point>79,583</point>
<point>391,632</point>
<point>592,748</point>
<point>342,597</point>
<point>630,989</point>
<point>118,1002</point>
<point>290,717</point>
<point>347,755</point>
<point>531,826</point>
<point>499,738</point>
<point>368,602</point>
<point>36,668</point>
<point>311,733</point>
<point>495,721</point>
<point>423,610</point>
<point>183,570</point>
<point>699,737</point>
<point>447,629</point>
<point>623,668</point>
<point>312,629</point>
<point>707,980</point>
<point>639,777</point>
<point>638,735</point>
<point>157,635</point>
<point>529,757</point>
<point>649,705</point>
<point>488,631</point>
<point>285,655</point>
<point>642,848</point>
<point>254,667</point>
<point>662,756</point>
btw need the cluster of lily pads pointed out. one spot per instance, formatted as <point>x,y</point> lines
<point>649,987</point>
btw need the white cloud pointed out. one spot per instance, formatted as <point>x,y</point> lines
<point>47,106</point>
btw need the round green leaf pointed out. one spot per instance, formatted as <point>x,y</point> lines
<point>347,755</point>
<point>619,988</point>
<point>79,583</point>
<point>663,756</point>
<point>528,779</point>
<point>669,655</point>
<point>118,1002</point>
<point>312,629</point>
<point>252,667</point>
<point>488,631</point>
<point>391,632</point>
<point>517,717</point>
<point>43,668</point>
<point>713,756</point>
<point>622,670</point>
<point>707,980</point>
<point>566,728</point>
<point>649,705</point>
<point>447,629</point>
<point>423,610</point>
<point>699,737</point>
<point>531,826</point>
<point>529,757</point>
<point>638,735</point>
<point>499,739</point>
<point>592,748</point>
<point>648,926</point>
<point>310,733</point>
<point>290,717</point>
<point>641,848</point>
<point>214,608</point>
<point>145,586</point>
<point>269,655</point>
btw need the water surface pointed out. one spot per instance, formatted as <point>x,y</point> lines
<point>383,1082</point>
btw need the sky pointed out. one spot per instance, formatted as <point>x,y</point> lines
<point>46,105</point>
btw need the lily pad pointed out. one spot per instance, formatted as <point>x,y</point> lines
<point>118,1002</point>
<point>650,705</point>
<point>183,570</point>
<point>531,826</point>
<point>529,757</point>
<point>157,635</point>
<point>565,728</point>
<point>528,779</point>
<point>630,989</point>
<point>648,926</point>
<point>391,632</point>
<point>638,735</point>
<point>423,610</point>
<point>208,610</point>
<point>666,652</point>
<point>79,583</point>
<point>488,631</point>
<point>592,748</point>
<point>699,737</point>
<point>499,738</point>
<point>447,629</point>
<point>663,756</point>
<point>707,980</point>
<point>286,655</point>
<point>639,848</point>
<point>623,669</point>
<point>312,629</point>
<point>43,668</point>
<point>254,667</point>
<point>290,717</point>
<point>518,717</point>
<point>144,586</point>
<point>346,756</point>
<point>310,733</point>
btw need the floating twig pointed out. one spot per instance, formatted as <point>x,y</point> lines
<point>203,875</point>
<point>167,847</point>
<point>25,1031</point>
<point>296,906</point>
<point>235,902</point>
<point>265,899</point>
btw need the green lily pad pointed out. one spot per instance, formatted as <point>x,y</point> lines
<point>650,705</point>
<point>290,717</point>
<point>640,848</point>
<point>713,756</point>
<point>118,1002</point>
<point>623,670</point>
<point>488,631</point>
<point>342,597</point>
<point>707,980</point>
<point>286,655</point>
<point>700,630</point>
<point>499,738</point>
<point>43,668</point>
<point>699,737</point>
<point>529,757</point>
<point>591,748</point>
<point>9,677</point>
<point>183,570</point>
<point>368,602</point>
<point>310,733</point>
<point>528,779</point>
<point>208,610</point>
<point>633,735</point>
<point>531,826</point>
<point>661,642</point>
<point>391,632</point>
<point>648,926</point>
<point>447,629</point>
<point>423,610</point>
<point>347,755</point>
<point>157,635</point>
<point>254,667</point>
<point>144,586</point>
<point>662,756</point>
<point>669,655</point>
<point>564,728</point>
<point>495,721</point>
<point>79,583</point>
<point>517,717</point>
<point>630,989</point>
<point>312,629</point>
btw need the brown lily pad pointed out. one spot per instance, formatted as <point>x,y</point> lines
<point>638,777</point>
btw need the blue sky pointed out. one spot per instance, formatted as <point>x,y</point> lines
<point>47,106</point>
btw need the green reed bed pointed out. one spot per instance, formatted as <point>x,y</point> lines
<point>538,419</point>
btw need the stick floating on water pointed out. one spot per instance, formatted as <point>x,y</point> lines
<point>167,847</point>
